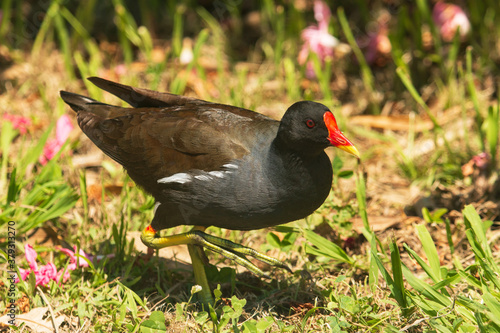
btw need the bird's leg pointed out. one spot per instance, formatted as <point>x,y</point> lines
<point>200,275</point>
<point>228,249</point>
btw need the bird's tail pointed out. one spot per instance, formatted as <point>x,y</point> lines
<point>78,102</point>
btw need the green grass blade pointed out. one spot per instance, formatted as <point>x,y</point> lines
<point>361,196</point>
<point>424,288</point>
<point>373,270</point>
<point>493,305</point>
<point>324,247</point>
<point>399,289</point>
<point>427,269</point>
<point>473,221</point>
<point>449,236</point>
<point>473,95</point>
<point>13,189</point>
<point>366,72</point>
<point>6,138</point>
<point>64,39</point>
<point>448,282</point>
<point>5,22</point>
<point>178,31</point>
<point>34,153</point>
<point>405,78</point>
<point>492,129</point>
<point>430,251</point>
<point>44,28</point>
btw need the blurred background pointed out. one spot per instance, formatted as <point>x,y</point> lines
<point>414,84</point>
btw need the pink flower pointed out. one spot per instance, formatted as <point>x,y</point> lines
<point>322,14</point>
<point>449,17</point>
<point>18,122</point>
<point>65,275</point>
<point>120,70</point>
<point>52,147</point>
<point>31,255</point>
<point>481,161</point>
<point>316,38</point>
<point>24,274</point>
<point>73,259</point>
<point>46,273</point>
<point>377,46</point>
<point>43,274</point>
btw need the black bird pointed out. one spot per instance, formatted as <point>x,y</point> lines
<point>210,164</point>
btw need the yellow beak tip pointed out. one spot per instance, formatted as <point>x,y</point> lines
<point>351,150</point>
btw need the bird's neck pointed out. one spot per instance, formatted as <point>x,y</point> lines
<point>283,148</point>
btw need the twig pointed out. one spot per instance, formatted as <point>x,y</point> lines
<point>52,318</point>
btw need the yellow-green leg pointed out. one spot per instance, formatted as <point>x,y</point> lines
<point>228,249</point>
<point>200,275</point>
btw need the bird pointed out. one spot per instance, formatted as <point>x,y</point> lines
<point>210,164</point>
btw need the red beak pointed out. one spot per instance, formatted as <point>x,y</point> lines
<point>336,137</point>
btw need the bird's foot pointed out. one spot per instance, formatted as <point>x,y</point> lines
<point>228,249</point>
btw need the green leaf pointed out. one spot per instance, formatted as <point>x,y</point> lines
<point>399,289</point>
<point>179,312</point>
<point>131,302</point>
<point>438,213</point>
<point>430,251</point>
<point>250,326</point>
<point>34,153</point>
<point>7,136</point>
<point>217,293</point>
<point>422,263</point>
<point>346,174</point>
<point>361,196</point>
<point>425,289</point>
<point>492,129</point>
<point>14,187</point>
<point>493,305</point>
<point>477,239</point>
<point>155,323</point>
<point>237,305</point>
<point>385,274</point>
<point>348,304</point>
<point>473,220</point>
<point>273,240</point>
<point>201,317</point>
<point>337,165</point>
<point>373,270</point>
<point>470,279</point>
<point>264,323</point>
<point>323,247</point>
<point>426,215</point>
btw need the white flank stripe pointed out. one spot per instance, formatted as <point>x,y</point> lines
<point>180,178</point>
<point>218,174</point>
<point>203,177</point>
<point>230,166</point>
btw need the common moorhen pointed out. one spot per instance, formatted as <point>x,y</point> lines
<point>209,164</point>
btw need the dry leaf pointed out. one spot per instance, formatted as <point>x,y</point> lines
<point>377,223</point>
<point>34,320</point>
<point>393,123</point>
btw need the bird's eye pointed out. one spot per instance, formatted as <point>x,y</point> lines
<point>310,123</point>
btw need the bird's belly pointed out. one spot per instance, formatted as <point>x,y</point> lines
<point>248,198</point>
<point>253,206</point>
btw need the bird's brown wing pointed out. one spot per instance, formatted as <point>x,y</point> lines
<point>138,97</point>
<point>153,143</point>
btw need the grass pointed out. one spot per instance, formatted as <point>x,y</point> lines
<point>437,275</point>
